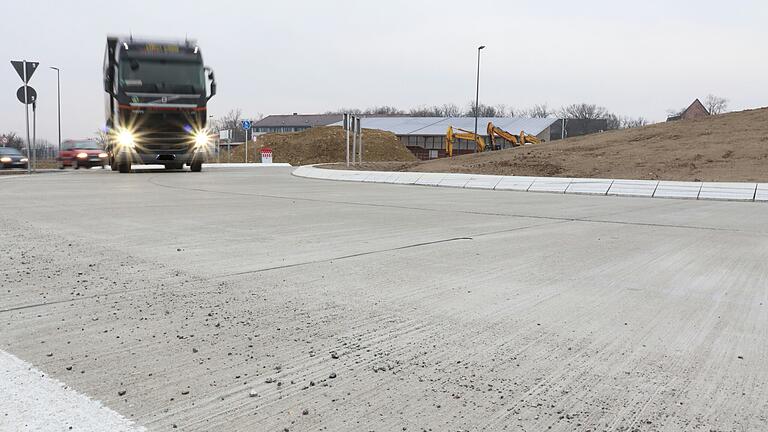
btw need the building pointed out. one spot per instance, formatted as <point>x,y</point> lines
<point>695,111</point>
<point>576,127</point>
<point>425,136</point>
<point>293,123</point>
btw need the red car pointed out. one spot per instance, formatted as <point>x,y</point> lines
<point>85,153</point>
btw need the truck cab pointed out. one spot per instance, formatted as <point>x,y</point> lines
<point>156,103</point>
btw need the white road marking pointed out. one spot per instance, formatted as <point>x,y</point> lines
<point>32,401</point>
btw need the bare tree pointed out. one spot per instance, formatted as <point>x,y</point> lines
<point>384,110</point>
<point>630,122</point>
<point>539,111</point>
<point>14,140</point>
<point>583,111</point>
<point>425,111</point>
<point>482,110</point>
<point>101,136</point>
<point>231,120</point>
<point>614,121</point>
<point>716,104</point>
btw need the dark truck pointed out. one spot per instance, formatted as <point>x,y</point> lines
<point>156,98</point>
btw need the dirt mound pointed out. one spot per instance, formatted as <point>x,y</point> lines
<point>727,147</point>
<point>324,145</point>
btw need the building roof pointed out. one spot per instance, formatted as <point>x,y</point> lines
<point>695,108</point>
<point>298,120</point>
<point>437,126</point>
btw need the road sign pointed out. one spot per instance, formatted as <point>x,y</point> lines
<point>31,95</point>
<point>246,124</point>
<point>31,68</point>
<point>4,140</point>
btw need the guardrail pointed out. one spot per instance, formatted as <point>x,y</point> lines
<point>757,192</point>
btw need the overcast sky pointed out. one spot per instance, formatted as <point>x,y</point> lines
<point>270,57</point>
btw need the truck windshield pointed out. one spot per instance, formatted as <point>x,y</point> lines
<point>162,75</point>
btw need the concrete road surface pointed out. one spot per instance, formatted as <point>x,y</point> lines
<point>251,300</point>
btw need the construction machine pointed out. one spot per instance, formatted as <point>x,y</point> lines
<point>529,139</point>
<point>494,132</point>
<point>452,136</point>
<point>514,140</point>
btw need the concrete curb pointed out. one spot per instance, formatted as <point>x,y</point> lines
<point>755,192</point>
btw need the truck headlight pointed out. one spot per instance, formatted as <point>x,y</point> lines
<point>82,155</point>
<point>125,138</point>
<point>201,139</point>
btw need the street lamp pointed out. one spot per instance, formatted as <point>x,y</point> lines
<point>477,91</point>
<point>58,99</point>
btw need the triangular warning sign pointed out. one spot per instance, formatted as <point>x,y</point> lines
<point>31,68</point>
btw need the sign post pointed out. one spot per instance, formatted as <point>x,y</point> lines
<point>246,126</point>
<point>34,137</point>
<point>360,138</point>
<point>26,95</point>
<point>346,130</point>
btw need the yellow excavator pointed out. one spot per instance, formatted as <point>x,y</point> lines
<point>494,132</point>
<point>514,140</point>
<point>452,136</point>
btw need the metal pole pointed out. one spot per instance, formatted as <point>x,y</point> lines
<point>58,100</point>
<point>562,132</point>
<point>354,138</point>
<point>26,117</point>
<point>346,129</point>
<point>34,136</point>
<point>246,146</point>
<point>361,143</point>
<point>477,90</point>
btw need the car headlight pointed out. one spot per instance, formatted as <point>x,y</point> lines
<point>103,155</point>
<point>82,155</point>
<point>23,160</point>
<point>126,138</point>
<point>201,139</point>
<point>5,159</point>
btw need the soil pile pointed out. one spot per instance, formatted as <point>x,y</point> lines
<point>727,147</point>
<point>324,145</point>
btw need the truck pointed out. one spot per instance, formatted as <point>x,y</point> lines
<point>156,103</point>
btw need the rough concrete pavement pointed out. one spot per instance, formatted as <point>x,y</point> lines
<point>253,300</point>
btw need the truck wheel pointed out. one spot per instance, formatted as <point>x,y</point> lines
<point>124,166</point>
<point>196,166</point>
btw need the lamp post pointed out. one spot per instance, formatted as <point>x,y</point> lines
<point>58,99</point>
<point>477,91</point>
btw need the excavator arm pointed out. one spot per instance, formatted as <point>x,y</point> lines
<point>494,131</point>
<point>529,139</point>
<point>451,137</point>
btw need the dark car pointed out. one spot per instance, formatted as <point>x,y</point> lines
<point>12,158</point>
<point>85,153</point>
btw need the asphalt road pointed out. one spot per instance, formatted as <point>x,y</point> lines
<point>249,299</point>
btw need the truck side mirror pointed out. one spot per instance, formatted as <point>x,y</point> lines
<point>211,77</point>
